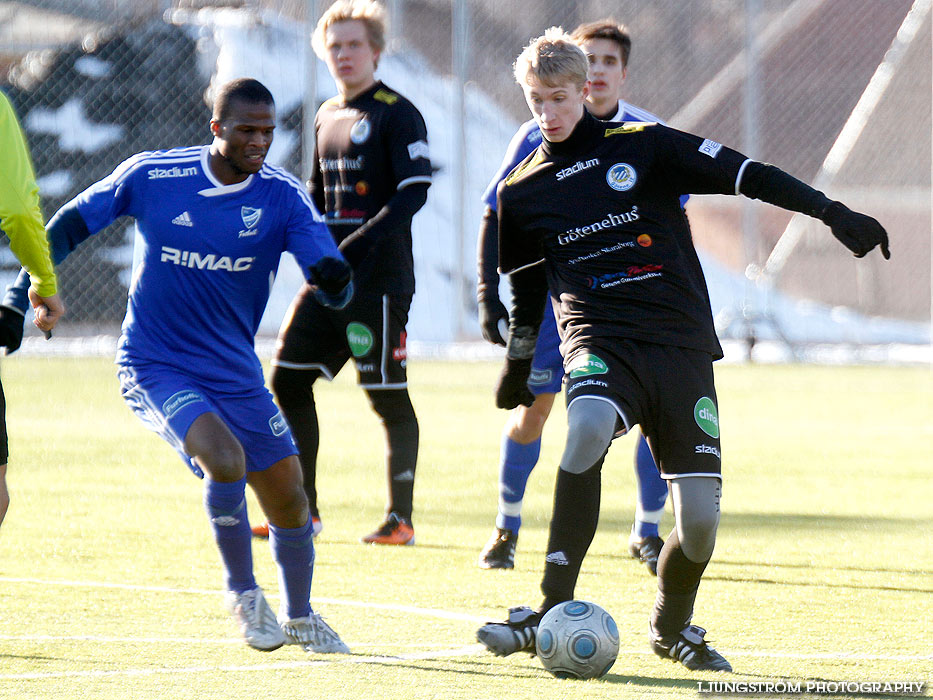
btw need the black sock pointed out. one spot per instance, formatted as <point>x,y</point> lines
<point>678,582</point>
<point>401,425</point>
<point>573,525</point>
<point>294,393</point>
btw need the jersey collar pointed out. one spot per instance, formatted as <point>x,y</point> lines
<point>218,187</point>
<point>583,134</point>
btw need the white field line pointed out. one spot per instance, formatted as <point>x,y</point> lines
<point>408,609</point>
<point>279,666</point>
<point>422,655</point>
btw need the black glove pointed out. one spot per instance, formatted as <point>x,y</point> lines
<point>857,232</point>
<point>491,312</point>
<point>330,275</point>
<point>512,387</point>
<point>11,329</point>
<point>354,248</point>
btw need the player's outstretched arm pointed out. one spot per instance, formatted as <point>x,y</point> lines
<point>66,230</point>
<point>492,311</point>
<point>857,232</point>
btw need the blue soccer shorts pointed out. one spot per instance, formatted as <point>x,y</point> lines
<point>168,402</point>
<point>547,366</point>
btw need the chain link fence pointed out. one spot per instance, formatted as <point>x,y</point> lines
<point>786,81</point>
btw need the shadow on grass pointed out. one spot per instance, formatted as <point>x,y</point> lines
<point>478,667</point>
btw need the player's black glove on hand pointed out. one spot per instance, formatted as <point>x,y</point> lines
<point>331,275</point>
<point>11,329</point>
<point>354,249</point>
<point>512,387</point>
<point>857,232</point>
<point>334,281</point>
<point>491,312</point>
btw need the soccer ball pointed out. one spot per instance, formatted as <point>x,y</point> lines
<point>577,639</point>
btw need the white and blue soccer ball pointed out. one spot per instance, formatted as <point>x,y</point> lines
<point>577,639</point>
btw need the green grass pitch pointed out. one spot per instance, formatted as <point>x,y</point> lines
<point>110,583</point>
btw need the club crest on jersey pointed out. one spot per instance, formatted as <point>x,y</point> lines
<point>360,131</point>
<point>621,177</point>
<point>250,216</point>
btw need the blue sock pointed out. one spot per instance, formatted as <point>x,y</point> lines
<point>652,492</point>
<point>225,503</point>
<point>517,462</point>
<point>293,551</point>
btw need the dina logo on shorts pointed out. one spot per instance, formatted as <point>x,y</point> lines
<point>586,365</point>
<point>360,339</point>
<point>707,417</point>
<point>177,401</point>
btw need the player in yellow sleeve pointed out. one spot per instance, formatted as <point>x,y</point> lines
<point>21,221</point>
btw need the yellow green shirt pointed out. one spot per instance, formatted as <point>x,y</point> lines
<point>20,216</point>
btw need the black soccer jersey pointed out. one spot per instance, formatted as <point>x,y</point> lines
<point>602,210</point>
<point>367,149</point>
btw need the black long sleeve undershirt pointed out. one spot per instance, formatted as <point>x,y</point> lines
<point>772,185</point>
<point>396,213</point>
<point>529,295</point>
<point>487,256</point>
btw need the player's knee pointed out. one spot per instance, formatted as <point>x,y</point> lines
<point>293,387</point>
<point>223,461</point>
<point>393,406</point>
<point>696,508</point>
<point>590,427</point>
<point>527,424</point>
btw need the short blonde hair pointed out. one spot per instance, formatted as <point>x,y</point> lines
<point>371,13</point>
<point>553,59</point>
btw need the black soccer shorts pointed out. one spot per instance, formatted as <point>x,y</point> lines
<point>371,330</point>
<point>667,390</point>
<point>4,441</point>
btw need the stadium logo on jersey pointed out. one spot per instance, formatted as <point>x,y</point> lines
<point>710,148</point>
<point>177,401</point>
<point>610,222</point>
<point>360,339</point>
<point>194,259</point>
<point>418,149</point>
<point>621,177</point>
<point>183,219</point>
<point>577,167</point>
<point>278,425</point>
<point>175,171</point>
<point>585,365</point>
<point>707,417</point>
<point>360,131</point>
<point>250,217</point>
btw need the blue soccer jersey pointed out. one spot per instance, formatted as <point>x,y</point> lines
<point>206,254</point>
